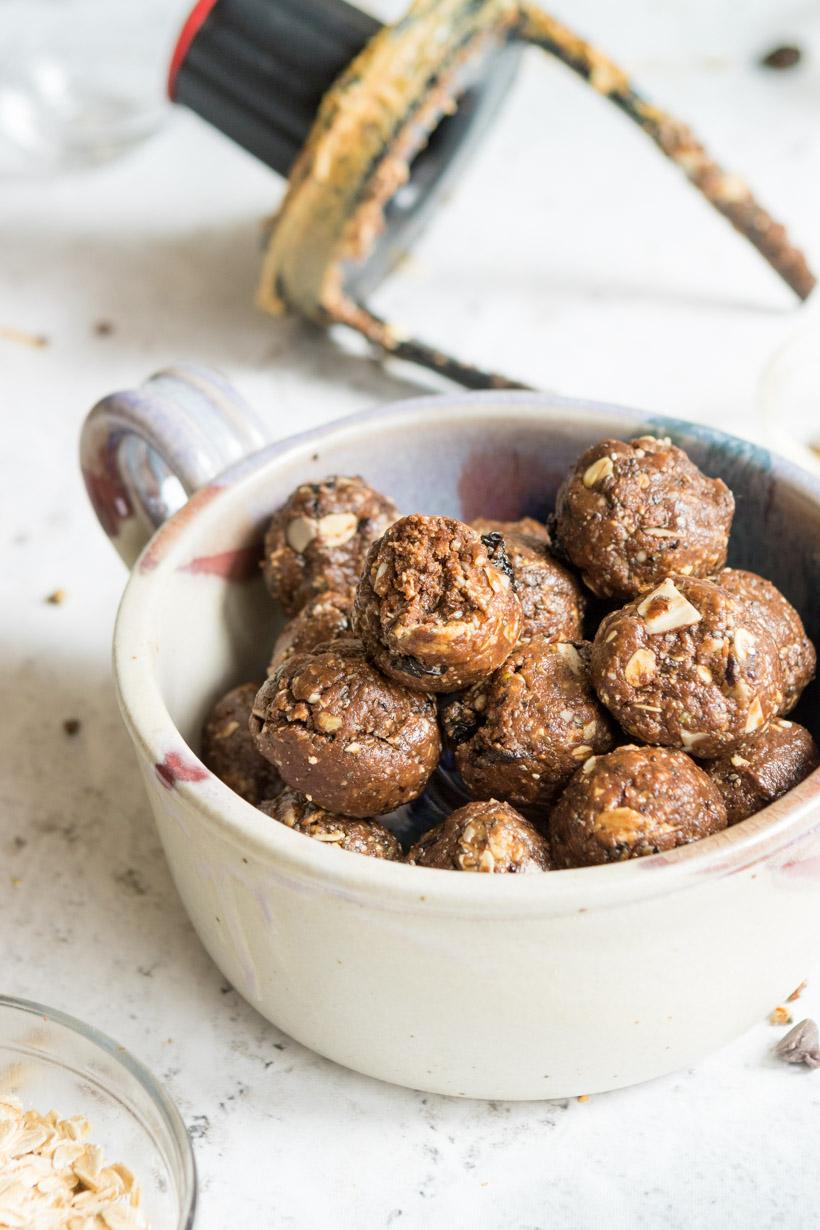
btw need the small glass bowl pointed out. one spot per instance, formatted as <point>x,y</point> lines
<point>52,1061</point>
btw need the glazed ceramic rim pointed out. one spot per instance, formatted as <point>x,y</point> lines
<point>394,886</point>
<point>162,1100</point>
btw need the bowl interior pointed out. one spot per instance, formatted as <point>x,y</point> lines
<point>501,456</point>
<point>50,1062</point>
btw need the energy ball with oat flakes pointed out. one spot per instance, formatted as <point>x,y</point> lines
<point>432,609</point>
<point>489,836</point>
<point>340,733</point>
<point>768,607</point>
<point>686,666</point>
<point>319,538</point>
<point>344,832</point>
<point>763,767</point>
<point>229,751</point>
<point>552,601</point>
<point>521,734</point>
<point>633,802</point>
<point>630,514</point>
<point>323,619</point>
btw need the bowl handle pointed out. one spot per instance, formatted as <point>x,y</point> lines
<point>144,451</point>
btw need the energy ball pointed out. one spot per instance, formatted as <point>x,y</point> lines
<point>633,802</point>
<point>552,601</point>
<point>319,538</point>
<point>345,832</point>
<point>521,734</point>
<point>630,514</point>
<point>344,736</point>
<point>432,609</point>
<point>323,619</point>
<point>488,836</point>
<point>229,751</point>
<point>686,666</point>
<point>768,607</point>
<point>763,767</point>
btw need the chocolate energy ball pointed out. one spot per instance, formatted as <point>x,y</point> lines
<point>763,767</point>
<point>552,601</point>
<point>686,666</point>
<point>488,836</point>
<point>345,832</point>
<point>323,619</point>
<point>630,514</point>
<point>230,752</point>
<point>432,609</point>
<point>521,734</point>
<point>340,733</point>
<point>768,607</point>
<point>319,538</point>
<point>633,802</point>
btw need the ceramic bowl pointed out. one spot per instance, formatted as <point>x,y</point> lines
<point>483,986</point>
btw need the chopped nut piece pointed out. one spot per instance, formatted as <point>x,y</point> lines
<point>56,598</point>
<point>745,643</point>
<point>755,717</point>
<point>572,659</point>
<point>800,1045</point>
<point>337,528</point>
<point>602,468</point>
<point>641,667</point>
<point>620,820</point>
<point>300,532</point>
<point>780,1016</point>
<point>666,609</point>
<point>797,992</point>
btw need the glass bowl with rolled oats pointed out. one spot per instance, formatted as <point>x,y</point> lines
<point>88,1139</point>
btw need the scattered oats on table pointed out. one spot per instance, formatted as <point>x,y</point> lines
<point>53,1178</point>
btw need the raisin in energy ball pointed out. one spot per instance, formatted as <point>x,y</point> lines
<point>521,734</point>
<point>686,666</point>
<point>432,609</point>
<point>323,619</point>
<point>318,539</point>
<point>768,607</point>
<point>551,599</point>
<point>633,802</point>
<point>340,733</point>
<point>489,836</point>
<point>763,767</point>
<point>344,832</point>
<point>630,514</point>
<point>230,752</point>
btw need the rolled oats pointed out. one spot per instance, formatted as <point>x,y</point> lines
<point>53,1178</point>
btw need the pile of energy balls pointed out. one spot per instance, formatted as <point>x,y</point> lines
<point>416,637</point>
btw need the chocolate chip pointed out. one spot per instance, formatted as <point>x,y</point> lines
<point>800,1045</point>
<point>412,666</point>
<point>787,56</point>
<point>494,542</point>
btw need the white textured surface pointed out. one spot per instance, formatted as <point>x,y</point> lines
<point>612,280</point>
